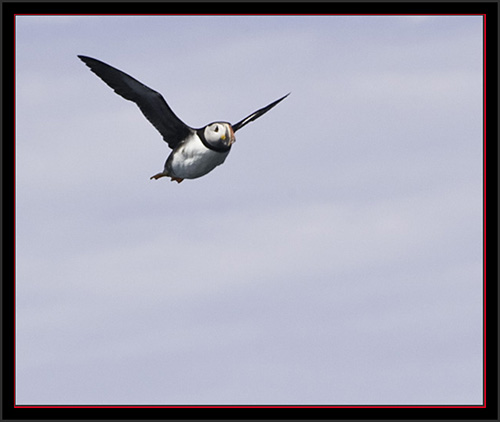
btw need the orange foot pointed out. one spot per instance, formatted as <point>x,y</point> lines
<point>157,176</point>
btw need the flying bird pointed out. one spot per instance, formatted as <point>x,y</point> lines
<point>195,152</point>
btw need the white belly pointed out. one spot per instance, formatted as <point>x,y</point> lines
<point>193,159</point>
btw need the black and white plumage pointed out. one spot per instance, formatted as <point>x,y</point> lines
<point>196,152</point>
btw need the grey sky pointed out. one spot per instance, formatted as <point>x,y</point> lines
<point>334,258</point>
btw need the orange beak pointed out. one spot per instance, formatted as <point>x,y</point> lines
<point>232,138</point>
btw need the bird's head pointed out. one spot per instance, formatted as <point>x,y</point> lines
<point>219,134</point>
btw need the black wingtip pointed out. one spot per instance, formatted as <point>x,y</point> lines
<point>277,101</point>
<point>258,113</point>
<point>87,60</point>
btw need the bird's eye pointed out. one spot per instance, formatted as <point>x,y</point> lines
<point>216,128</point>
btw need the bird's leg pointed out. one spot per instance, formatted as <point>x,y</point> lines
<point>157,176</point>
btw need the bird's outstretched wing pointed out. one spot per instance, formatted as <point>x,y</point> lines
<point>151,103</point>
<point>256,114</point>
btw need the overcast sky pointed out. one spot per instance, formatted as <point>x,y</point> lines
<point>334,258</point>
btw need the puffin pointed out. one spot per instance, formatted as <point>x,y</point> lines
<point>195,152</point>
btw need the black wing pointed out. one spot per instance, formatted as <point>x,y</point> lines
<point>151,103</point>
<point>256,114</point>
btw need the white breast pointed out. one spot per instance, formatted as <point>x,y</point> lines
<point>192,159</point>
